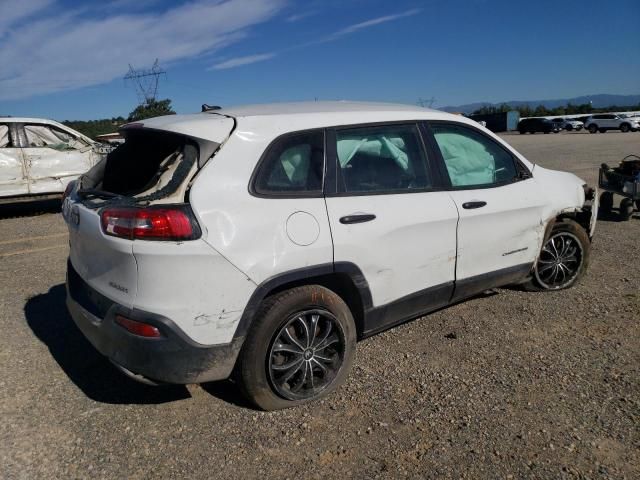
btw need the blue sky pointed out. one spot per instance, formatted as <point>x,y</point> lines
<point>65,59</point>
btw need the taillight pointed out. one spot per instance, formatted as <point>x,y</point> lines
<point>150,223</point>
<point>138,328</point>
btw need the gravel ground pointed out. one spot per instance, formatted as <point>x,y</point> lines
<point>506,385</point>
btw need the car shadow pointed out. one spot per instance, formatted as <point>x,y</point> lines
<point>48,318</point>
<point>30,209</point>
<point>228,392</point>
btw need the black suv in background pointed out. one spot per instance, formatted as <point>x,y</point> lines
<point>533,125</point>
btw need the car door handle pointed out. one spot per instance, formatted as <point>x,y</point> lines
<point>474,204</point>
<point>357,218</point>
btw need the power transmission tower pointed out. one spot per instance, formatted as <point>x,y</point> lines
<point>422,102</point>
<point>145,81</point>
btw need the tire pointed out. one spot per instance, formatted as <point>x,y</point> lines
<point>572,247</point>
<point>624,128</point>
<point>280,335</point>
<point>626,209</point>
<point>522,132</point>
<point>546,132</point>
<point>606,202</point>
<point>602,130</point>
<point>569,128</point>
<point>593,128</point>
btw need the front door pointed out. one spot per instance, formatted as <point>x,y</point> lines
<point>500,228</point>
<point>53,158</point>
<point>388,219</point>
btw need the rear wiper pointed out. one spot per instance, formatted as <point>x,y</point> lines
<point>94,192</point>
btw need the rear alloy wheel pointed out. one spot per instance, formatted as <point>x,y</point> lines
<point>626,209</point>
<point>563,259</point>
<point>306,355</point>
<point>300,348</point>
<point>624,128</point>
<point>593,128</point>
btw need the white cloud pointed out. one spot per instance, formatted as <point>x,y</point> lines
<point>238,61</point>
<point>12,11</point>
<point>296,17</point>
<point>51,53</point>
<point>370,23</point>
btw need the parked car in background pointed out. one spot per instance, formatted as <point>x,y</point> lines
<point>611,121</point>
<point>39,157</point>
<point>534,125</point>
<point>568,124</point>
<point>264,240</point>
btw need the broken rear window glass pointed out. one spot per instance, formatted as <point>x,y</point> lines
<point>45,136</point>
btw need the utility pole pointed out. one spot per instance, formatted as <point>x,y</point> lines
<point>145,81</point>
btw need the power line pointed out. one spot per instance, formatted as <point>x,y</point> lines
<point>145,81</point>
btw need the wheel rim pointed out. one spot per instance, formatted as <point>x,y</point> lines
<point>560,261</point>
<point>306,354</point>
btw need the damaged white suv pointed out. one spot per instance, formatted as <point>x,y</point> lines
<point>264,241</point>
<point>39,157</point>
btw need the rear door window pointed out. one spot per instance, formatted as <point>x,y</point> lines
<point>387,158</point>
<point>293,165</point>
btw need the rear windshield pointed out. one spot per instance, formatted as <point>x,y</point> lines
<point>146,159</point>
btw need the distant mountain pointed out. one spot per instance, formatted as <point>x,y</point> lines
<point>598,101</point>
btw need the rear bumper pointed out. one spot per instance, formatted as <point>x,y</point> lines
<point>173,358</point>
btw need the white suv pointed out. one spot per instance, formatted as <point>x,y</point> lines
<point>610,121</point>
<point>265,240</point>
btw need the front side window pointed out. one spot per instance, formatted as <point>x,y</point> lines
<point>473,159</point>
<point>50,137</point>
<point>381,159</point>
<point>293,165</point>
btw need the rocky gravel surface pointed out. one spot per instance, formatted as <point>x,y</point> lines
<point>506,385</point>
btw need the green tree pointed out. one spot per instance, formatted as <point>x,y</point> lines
<point>151,108</point>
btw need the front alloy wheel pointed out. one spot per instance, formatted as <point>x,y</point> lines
<point>559,262</point>
<point>306,354</point>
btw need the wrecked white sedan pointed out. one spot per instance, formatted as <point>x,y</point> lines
<point>39,157</point>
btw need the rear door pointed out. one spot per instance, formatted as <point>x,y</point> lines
<point>500,228</point>
<point>389,218</point>
<point>12,175</point>
<point>53,157</point>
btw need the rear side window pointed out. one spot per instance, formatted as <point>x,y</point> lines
<point>5,140</point>
<point>293,165</point>
<point>473,159</point>
<point>386,158</point>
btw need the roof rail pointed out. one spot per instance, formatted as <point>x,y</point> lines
<point>207,108</point>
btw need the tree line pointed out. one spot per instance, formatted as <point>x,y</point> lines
<point>542,111</point>
<point>93,128</point>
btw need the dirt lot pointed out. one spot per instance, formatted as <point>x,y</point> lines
<point>507,385</point>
